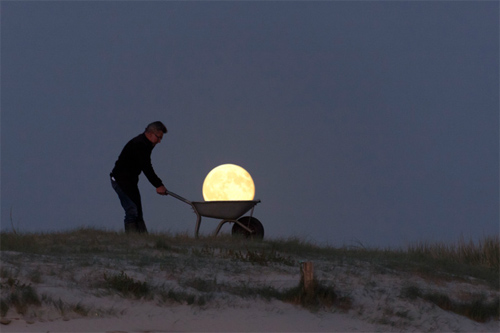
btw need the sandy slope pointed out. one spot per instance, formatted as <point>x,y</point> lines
<point>256,317</point>
<point>63,281</point>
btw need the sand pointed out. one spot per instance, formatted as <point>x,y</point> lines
<point>377,304</point>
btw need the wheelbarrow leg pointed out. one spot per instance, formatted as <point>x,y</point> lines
<point>198,216</point>
<point>198,223</point>
<point>220,226</point>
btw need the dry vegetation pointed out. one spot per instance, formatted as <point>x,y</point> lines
<point>170,269</point>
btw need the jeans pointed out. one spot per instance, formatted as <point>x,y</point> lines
<point>131,203</point>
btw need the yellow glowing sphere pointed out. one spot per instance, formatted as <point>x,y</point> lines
<point>228,182</point>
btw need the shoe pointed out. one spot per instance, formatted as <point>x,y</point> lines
<point>141,227</point>
<point>131,227</point>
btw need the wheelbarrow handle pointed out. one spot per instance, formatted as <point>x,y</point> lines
<point>198,216</point>
<point>178,197</point>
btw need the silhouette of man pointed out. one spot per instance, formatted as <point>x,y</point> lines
<point>134,159</point>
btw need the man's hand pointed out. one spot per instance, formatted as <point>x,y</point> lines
<point>161,190</point>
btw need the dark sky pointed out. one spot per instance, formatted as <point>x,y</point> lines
<point>360,122</point>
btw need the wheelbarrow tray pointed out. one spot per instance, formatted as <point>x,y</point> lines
<point>227,210</point>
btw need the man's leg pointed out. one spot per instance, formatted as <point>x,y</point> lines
<point>141,227</point>
<point>131,203</point>
<point>135,195</point>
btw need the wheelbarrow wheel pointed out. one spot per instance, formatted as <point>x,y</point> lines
<point>251,223</point>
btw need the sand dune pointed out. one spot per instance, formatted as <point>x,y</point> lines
<point>205,286</point>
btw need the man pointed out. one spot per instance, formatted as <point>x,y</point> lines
<point>134,159</point>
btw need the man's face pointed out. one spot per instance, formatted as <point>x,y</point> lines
<point>157,137</point>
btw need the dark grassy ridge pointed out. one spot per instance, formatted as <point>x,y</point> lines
<point>462,260</point>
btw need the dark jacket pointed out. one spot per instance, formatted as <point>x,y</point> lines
<point>134,159</point>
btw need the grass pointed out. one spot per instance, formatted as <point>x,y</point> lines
<point>19,296</point>
<point>485,253</point>
<point>261,256</point>
<point>320,296</point>
<point>22,297</point>
<point>182,297</point>
<point>477,308</point>
<point>127,286</point>
<point>60,255</point>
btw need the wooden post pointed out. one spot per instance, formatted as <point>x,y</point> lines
<point>307,272</point>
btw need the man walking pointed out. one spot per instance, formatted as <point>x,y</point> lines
<point>134,159</point>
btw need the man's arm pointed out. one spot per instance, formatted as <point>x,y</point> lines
<point>153,178</point>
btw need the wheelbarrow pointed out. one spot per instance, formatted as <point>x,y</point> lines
<point>230,212</point>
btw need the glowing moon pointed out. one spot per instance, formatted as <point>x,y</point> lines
<point>228,182</point>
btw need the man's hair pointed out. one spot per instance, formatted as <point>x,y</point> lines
<point>156,126</point>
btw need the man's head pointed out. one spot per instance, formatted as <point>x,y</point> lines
<point>154,132</point>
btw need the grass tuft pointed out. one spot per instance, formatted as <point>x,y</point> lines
<point>318,297</point>
<point>21,297</point>
<point>4,307</point>
<point>182,297</point>
<point>202,285</point>
<point>127,286</point>
<point>476,309</point>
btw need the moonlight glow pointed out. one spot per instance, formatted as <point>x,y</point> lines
<point>228,182</point>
